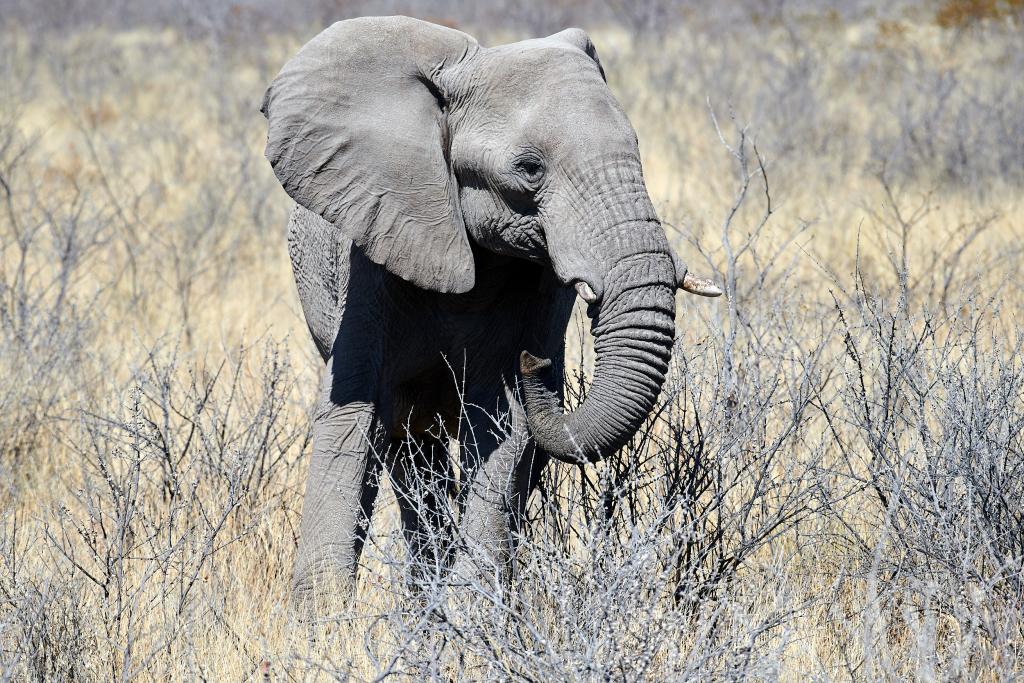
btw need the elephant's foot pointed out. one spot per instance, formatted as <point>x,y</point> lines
<point>487,545</point>
<point>322,586</point>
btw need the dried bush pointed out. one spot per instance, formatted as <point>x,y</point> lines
<point>830,487</point>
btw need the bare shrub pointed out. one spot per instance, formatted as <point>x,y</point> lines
<point>830,487</point>
<point>173,474</point>
<point>46,324</point>
<point>927,421</point>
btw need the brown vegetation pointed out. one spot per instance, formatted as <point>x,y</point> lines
<point>830,489</point>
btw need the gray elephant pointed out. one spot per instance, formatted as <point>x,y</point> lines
<point>452,201</point>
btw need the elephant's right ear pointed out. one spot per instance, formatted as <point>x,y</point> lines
<point>357,134</point>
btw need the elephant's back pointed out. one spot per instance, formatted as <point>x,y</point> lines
<point>320,260</point>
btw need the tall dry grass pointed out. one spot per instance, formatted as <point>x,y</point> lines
<point>830,488</point>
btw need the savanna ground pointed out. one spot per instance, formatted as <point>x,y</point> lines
<point>830,489</point>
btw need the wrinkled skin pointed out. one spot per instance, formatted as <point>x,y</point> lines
<point>450,198</point>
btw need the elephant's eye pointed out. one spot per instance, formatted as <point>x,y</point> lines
<point>529,167</point>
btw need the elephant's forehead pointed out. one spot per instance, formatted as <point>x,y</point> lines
<point>534,68</point>
<point>549,92</point>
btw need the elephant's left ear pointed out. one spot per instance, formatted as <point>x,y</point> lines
<point>579,39</point>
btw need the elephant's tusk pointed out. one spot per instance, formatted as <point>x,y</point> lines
<point>586,293</point>
<point>700,286</point>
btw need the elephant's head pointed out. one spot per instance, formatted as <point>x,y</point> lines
<point>417,141</point>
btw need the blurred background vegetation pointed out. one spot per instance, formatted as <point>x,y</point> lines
<point>831,488</point>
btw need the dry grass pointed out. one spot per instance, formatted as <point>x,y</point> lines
<point>831,490</point>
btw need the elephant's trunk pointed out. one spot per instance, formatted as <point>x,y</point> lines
<point>633,329</point>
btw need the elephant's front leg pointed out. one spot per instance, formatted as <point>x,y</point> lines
<point>504,466</point>
<point>340,490</point>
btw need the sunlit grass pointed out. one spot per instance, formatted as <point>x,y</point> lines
<point>151,334</point>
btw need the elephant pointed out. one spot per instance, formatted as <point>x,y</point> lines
<point>452,201</point>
